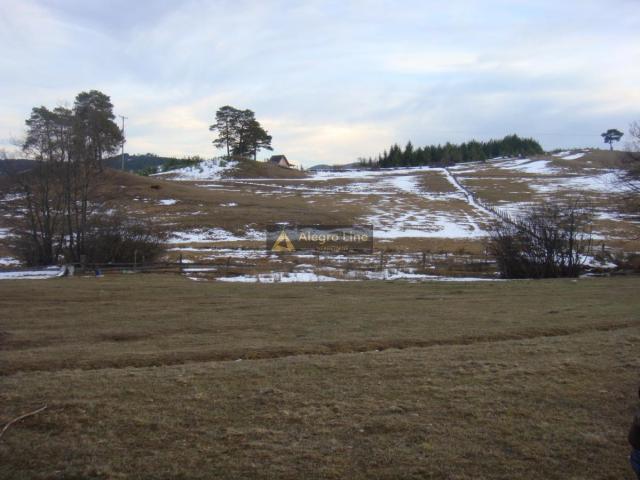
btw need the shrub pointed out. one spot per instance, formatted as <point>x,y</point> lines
<point>112,238</point>
<point>547,241</point>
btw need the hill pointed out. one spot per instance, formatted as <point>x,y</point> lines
<point>217,169</point>
<point>220,213</point>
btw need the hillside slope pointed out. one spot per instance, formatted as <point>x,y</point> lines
<point>413,209</point>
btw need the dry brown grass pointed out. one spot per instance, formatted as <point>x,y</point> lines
<point>500,380</point>
<point>261,201</point>
<point>199,207</point>
<point>222,321</point>
<point>251,169</point>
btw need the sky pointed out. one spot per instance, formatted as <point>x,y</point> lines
<point>330,80</point>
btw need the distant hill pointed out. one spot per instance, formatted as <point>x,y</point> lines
<point>345,166</point>
<point>138,162</point>
<point>15,165</point>
<point>323,166</point>
<point>133,163</point>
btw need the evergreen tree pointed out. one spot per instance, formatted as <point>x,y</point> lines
<point>612,135</point>
<point>239,133</point>
<point>510,145</point>
<point>94,121</point>
<point>227,125</point>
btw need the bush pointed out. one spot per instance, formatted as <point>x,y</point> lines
<point>545,242</point>
<point>110,238</point>
<point>113,238</point>
<point>29,250</point>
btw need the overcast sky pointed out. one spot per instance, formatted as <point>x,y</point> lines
<point>330,80</point>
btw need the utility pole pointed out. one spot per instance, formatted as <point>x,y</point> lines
<point>123,119</point>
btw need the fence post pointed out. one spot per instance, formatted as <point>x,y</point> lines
<point>381,260</point>
<point>424,261</point>
<point>180,263</point>
<point>135,260</point>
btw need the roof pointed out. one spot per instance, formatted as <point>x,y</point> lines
<point>279,158</point>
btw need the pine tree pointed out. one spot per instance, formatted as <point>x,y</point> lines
<point>612,135</point>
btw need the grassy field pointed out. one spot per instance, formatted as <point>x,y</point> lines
<point>157,377</point>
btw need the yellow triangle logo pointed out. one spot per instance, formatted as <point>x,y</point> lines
<point>283,244</point>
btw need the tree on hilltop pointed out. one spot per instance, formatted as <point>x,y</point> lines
<point>239,132</point>
<point>612,135</point>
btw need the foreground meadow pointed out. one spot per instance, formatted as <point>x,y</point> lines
<point>159,377</point>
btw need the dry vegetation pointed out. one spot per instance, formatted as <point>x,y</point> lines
<point>263,193</point>
<point>252,169</point>
<point>205,207</point>
<point>375,380</point>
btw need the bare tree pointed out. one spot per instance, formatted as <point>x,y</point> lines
<point>550,240</point>
<point>627,180</point>
<point>42,188</point>
<point>631,163</point>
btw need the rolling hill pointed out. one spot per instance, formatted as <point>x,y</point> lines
<point>218,210</point>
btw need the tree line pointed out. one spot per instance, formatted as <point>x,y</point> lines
<point>449,154</point>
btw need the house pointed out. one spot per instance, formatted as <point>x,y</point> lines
<point>281,161</point>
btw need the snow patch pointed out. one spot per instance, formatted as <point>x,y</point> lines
<point>307,277</point>
<point>331,174</point>
<point>12,197</point>
<point>575,156</point>
<point>538,167</point>
<point>438,226</point>
<point>8,261</point>
<point>292,277</point>
<point>603,183</point>
<point>205,170</point>
<point>50,272</point>
<point>213,235</point>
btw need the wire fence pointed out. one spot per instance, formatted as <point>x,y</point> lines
<point>340,266</point>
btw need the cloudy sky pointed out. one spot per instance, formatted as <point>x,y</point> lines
<point>330,80</point>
